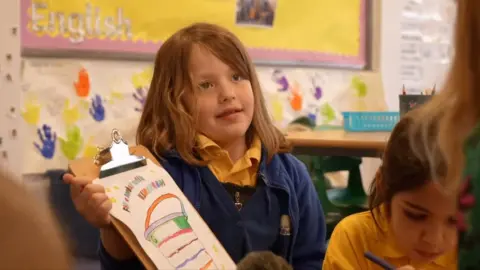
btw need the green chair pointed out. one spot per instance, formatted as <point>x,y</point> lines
<point>336,203</point>
<point>353,195</point>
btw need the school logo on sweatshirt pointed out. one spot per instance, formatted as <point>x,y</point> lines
<point>167,228</point>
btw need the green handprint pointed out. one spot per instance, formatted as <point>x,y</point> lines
<point>72,145</point>
<point>328,113</point>
<point>360,87</point>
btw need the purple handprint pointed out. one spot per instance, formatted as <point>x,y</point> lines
<point>279,78</point>
<point>140,95</point>
<point>48,141</point>
<point>317,90</point>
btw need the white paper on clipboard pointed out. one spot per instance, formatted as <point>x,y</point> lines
<point>166,225</point>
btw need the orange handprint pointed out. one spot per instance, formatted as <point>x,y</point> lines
<point>82,86</point>
<point>297,99</point>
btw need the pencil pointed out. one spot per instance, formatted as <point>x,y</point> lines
<point>381,262</point>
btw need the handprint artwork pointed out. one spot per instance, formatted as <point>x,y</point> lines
<point>140,96</point>
<point>317,90</point>
<point>296,99</point>
<point>71,114</point>
<point>277,109</point>
<point>359,86</point>
<point>90,149</point>
<point>48,141</point>
<point>142,79</point>
<point>328,113</point>
<point>115,96</point>
<point>82,85</point>
<point>281,80</point>
<point>31,113</point>
<point>72,145</point>
<point>97,110</point>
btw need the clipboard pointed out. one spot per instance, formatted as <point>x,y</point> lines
<point>145,186</point>
<point>86,167</point>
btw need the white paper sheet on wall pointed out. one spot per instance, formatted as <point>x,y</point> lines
<point>74,100</point>
<point>416,45</point>
<point>426,36</point>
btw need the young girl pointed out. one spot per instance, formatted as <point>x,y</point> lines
<point>457,104</point>
<point>410,222</point>
<point>30,239</point>
<point>206,121</point>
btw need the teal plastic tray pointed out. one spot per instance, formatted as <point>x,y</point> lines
<point>370,121</point>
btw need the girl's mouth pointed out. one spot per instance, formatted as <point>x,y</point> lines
<point>228,112</point>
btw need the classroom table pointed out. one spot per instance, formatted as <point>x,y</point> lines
<point>338,143</point>
<point>341,143</point>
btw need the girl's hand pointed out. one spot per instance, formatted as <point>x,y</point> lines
<point>90,200</point>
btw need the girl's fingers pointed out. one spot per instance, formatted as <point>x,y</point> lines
<point>96,200</point>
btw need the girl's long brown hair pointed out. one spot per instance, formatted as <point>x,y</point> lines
<point>403,168</point>
<point>167,122</point>
<point>456,108</point>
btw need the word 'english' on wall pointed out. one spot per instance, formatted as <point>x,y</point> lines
<point>77,25</point>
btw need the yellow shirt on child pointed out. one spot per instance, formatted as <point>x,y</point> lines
<point>358,233</point>
<point>242,173</point>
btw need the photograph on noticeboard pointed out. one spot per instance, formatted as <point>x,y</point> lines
<point>256,12</point>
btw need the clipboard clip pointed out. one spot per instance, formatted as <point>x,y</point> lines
<point>121,159</point>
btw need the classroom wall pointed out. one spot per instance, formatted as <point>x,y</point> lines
<point>47,83</point>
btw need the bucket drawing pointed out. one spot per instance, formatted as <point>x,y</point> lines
<point>168,229</point>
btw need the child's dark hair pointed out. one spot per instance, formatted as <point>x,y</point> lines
<point>263,260</point>
<point>403,167</point>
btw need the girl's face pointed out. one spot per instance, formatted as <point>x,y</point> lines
<point>225,100</point>
<point>423,222</point>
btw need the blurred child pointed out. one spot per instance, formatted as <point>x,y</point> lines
<point>30,239</point>
<point>410,222</point>
<point>457,104</point>
<point>206,121</point>
<point>263,260</point>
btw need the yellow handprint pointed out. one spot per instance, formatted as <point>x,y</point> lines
<point>70,114</point>
<point>143,78</point>
<point>277,109</point>
<point>90,149</point>
<point>114,95</point>
<point>31,113</point>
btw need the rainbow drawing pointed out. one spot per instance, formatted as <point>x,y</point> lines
<point>168,229</point>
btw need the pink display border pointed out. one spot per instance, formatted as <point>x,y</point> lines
<point>47,43</point>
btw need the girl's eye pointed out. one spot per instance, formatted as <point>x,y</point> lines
<point>453,221</point>
<point>415,216</point>
<point>205,85</point>
<point>236,78</point>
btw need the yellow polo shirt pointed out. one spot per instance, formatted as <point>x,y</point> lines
<point>358,233</point>
<point>242,173</point>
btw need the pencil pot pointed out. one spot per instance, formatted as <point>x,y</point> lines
<point>409,102</point>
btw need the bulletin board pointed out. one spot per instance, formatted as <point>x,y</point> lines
<point>280,32</point>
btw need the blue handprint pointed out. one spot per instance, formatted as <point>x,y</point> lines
<point>48,141</point>
<point>140,96</point>
<point>97,110</point>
